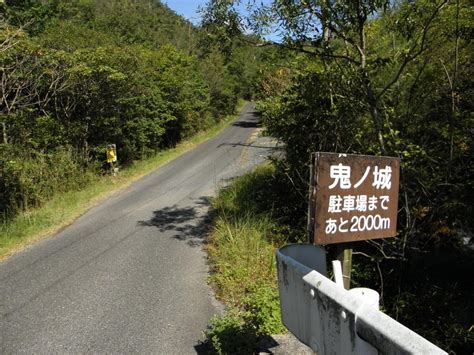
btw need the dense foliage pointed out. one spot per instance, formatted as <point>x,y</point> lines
<point>423,115</point>
<point>78,75</point>
<point>385,78</point>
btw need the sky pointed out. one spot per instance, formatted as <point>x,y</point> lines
<point>187,8</point>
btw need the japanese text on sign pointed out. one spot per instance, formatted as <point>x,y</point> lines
<point>356,197</point>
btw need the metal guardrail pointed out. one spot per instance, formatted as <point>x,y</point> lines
<point>332,320</point>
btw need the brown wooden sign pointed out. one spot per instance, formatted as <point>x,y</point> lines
<point>355,197</point>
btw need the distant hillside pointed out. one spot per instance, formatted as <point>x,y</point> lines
<point>143,22</point>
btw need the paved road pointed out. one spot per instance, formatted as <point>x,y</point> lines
<point>129,276</point>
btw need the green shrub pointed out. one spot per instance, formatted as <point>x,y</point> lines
<point>29,178</point>
<point>263,310</point>
<point>229,334</point>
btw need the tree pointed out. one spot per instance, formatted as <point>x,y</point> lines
<point>332,30</point>
<point>379,77</point>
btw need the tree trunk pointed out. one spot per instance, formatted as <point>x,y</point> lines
<point>4,133</point>
<point>325,23</point>
<point>326,42</point>
<point>374,112</point>
<point>371,98</point>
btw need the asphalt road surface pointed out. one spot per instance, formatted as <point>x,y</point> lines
<point>129,276</point>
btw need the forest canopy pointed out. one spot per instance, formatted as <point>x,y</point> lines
<point>78,75</point>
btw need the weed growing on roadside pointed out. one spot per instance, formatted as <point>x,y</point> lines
<point>247,231</point>
<point>230,334</point>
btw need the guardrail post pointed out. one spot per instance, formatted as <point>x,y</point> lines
<point>370,299</point>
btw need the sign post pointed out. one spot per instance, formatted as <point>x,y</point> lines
<point>344,255</point>
<point>311,192</point>
<point>112,157</point>
<point>355,198</point>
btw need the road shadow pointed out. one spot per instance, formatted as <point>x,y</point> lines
<point>245,340</point>
<point>251,145</point>
<point>247,124</point>
<point>203,348</point>
<point>188,224</point>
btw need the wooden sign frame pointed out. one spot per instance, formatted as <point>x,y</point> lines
<point>355,197</point>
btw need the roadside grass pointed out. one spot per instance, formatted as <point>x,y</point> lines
<point>429,293</point>
<point>62,209</point>
<point>246,233</point>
